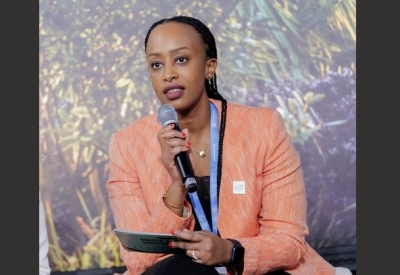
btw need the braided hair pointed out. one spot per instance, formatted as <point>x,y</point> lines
<point>211,85</point>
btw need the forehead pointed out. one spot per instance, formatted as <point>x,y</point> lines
<point>172,35</point>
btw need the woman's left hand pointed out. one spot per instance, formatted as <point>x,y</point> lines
<point>204,247</point>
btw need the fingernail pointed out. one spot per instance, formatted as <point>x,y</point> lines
<point>183,134</point>
<point>171,125</point>
<point>171,244</point>
<point>188,144</point>
<point>173,232</point>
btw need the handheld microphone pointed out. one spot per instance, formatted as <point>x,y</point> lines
<point>166,114</point>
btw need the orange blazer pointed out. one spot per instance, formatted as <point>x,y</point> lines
<point>269,219</point>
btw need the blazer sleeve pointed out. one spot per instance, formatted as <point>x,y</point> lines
<point>133,207</point>
<point>281,241</point>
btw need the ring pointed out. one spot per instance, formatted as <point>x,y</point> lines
<point>194,256</point>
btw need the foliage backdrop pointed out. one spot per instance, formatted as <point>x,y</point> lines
<point>295,56</point>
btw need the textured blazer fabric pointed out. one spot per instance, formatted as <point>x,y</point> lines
<point>268,217</point>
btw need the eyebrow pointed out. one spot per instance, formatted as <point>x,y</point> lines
<point>171,51</point>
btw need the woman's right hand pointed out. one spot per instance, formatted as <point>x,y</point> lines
<point>173,142</point>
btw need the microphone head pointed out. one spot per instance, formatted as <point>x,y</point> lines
<point>166,114</point>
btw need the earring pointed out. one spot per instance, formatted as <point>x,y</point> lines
<point>209,79</point>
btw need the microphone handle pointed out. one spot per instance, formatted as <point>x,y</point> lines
<point>185,168</point>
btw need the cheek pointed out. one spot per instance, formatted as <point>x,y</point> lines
<point>194,76</point>
<point>156,81</point>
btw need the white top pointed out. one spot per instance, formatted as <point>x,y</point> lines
<point>44,267</point>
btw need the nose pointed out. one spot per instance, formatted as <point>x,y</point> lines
<point>169,73</point>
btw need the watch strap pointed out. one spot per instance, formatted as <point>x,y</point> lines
<point>235,268</point>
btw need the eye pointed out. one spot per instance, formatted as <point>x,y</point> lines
<point>156,65</point>
<point>181,59</point>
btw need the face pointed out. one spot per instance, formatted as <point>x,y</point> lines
<point>178,65</point>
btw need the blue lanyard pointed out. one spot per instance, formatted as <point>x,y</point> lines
<point>214,141</point>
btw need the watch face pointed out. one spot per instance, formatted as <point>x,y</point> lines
<point>238,255</point>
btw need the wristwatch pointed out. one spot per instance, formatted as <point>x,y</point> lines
<point>236,264</point>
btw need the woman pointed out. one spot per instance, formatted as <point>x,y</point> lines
<point>256,207</point>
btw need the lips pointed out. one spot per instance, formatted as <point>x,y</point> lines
<point>173,92</point>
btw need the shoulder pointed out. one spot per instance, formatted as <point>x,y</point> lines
<point>254,115</point>
<point>139,126</point>
<point>136,134</point>
<point>238,109</point>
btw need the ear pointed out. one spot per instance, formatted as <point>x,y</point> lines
<point>211,67</point>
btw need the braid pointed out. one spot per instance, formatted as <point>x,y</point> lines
<point>211,85</point>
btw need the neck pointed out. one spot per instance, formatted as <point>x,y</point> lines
<point>197,121</point>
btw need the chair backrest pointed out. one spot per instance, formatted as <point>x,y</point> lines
<point>342,271</point>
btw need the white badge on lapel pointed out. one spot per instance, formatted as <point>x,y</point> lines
<point>239,187</point>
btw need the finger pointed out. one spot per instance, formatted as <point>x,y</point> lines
<point>193,254</point>
<point>185,134</point>
<point>174,143</point>
<point>167,133</point>
<point>193,236</point>
<point>184,244</point>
